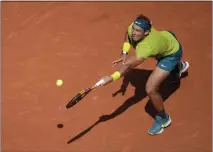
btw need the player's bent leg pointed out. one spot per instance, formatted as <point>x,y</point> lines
<point>162,119</point>
<point>164,67</point>
<point>182,66</point>
<point>179,71</point>
<point>153,85</point>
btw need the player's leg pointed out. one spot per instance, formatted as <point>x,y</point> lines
<point>154,82</point>
<point>164,67</point>
<point>182,66</point>
<point>179,70</point>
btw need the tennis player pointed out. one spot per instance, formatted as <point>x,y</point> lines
<point>151,43</point>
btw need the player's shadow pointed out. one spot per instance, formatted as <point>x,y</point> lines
<point>137,78</point>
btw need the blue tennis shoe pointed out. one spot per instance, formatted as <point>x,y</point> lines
<point>159,124</point>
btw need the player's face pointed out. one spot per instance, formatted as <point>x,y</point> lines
<point>137,33</point>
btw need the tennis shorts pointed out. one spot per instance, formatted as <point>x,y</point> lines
<point>168,63</point>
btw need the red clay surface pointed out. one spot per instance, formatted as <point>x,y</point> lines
<point>76,42</point>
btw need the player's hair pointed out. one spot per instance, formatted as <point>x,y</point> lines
<point>144,19</point>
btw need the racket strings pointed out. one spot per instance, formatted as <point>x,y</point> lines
<point>79,96</point>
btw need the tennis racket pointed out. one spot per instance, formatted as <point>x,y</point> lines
<point>82,94</point>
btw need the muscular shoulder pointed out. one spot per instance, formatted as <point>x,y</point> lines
<point>147,47</point>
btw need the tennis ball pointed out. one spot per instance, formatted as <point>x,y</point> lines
<point>59,83</point>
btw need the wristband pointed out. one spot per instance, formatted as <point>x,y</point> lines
<point>126,47</point>
<point>116,75</point>
<point>124,52</point>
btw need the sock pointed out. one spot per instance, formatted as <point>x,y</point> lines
<point>162,114</point>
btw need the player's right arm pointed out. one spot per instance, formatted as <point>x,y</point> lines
<point>125,50</point>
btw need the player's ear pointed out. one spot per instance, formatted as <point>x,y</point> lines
<point>146,32</point>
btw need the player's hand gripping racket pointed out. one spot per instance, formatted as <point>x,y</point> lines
<point>81,94</point>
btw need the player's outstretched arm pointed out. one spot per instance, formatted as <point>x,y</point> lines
<point>129,64</point>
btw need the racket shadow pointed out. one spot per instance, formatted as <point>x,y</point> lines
<point>137,78</point>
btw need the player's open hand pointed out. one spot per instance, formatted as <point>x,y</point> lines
<point>121,59</point>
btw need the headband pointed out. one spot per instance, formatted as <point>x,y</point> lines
<point>142,25</point>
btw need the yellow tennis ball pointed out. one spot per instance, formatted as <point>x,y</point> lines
<point>59,83</point>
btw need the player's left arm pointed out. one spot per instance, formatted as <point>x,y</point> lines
<point>130,63</point>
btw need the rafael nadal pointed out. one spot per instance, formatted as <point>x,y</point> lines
<point>165,48</point>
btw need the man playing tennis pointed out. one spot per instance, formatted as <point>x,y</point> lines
<point>165,48</point>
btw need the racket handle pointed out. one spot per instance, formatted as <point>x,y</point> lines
<point>99,83</point>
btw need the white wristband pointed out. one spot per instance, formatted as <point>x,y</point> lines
<point>124,52</point>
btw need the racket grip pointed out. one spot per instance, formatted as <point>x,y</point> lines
<point>99,83</point>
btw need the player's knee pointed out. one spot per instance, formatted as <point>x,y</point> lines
<point>150,90</point>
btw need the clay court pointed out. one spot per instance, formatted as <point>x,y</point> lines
<point>77,42</point>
